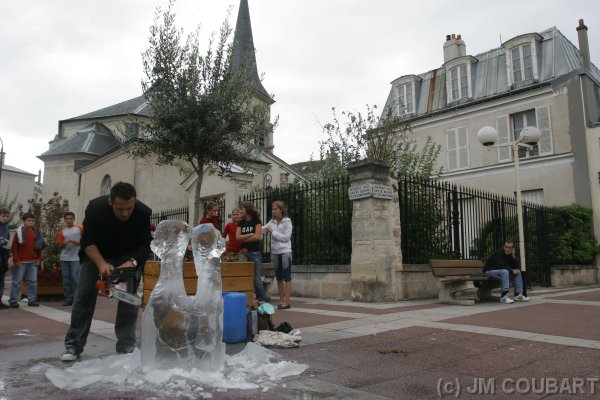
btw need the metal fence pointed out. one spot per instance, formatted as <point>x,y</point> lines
<point>444,220</point>
<point>181,214</point>
<point>322,217</point>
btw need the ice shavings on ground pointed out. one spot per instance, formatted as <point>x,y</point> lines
<point>25,332</point>
<point>251,368</point>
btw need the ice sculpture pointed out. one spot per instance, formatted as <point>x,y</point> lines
<point>164,331</point>
<point>180,330</point>
<point>206,307</point>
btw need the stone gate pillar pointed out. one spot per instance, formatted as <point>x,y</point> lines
<point>375,232</point>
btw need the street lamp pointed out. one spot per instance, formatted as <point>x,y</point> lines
<point>530,135</point>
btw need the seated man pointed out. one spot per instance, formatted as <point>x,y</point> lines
<point>502,265</point>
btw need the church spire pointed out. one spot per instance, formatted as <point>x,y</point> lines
<point>244,49</point>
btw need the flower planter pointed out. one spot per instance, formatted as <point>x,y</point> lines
<point>235,277</point>
<point>45,289</point>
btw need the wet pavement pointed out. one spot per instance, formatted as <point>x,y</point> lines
<point>548,348</point>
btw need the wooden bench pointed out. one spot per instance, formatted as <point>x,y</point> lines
<point>462,282</point>
<point>235,277</point>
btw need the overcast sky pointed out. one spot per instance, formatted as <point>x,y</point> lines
<point>64,58</point>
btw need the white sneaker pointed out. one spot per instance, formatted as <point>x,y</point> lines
<point>521,298</point>
<point>506,300</point>
<point>69,355</point>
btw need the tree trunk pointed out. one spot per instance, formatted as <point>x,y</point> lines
<point>196,217</point>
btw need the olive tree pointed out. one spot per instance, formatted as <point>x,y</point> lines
<point>203,112</point>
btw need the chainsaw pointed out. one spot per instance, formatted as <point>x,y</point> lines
<point>115,286</point>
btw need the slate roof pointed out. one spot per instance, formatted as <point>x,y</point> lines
<point>10,168</point>
<point>95,139</point>
<point>557,57</point>
<point>136,106</point>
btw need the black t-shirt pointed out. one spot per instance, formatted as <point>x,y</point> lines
<point>249,227</point>
<point>116,240</point>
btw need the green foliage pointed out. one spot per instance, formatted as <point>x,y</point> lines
<point>202,108</point>
<point>575,243</point>
<point>15,210</point>
<point>357,136</point>
<point>49,218</point>
<point>565,231</point>
<point>425,232</point>
<point>495,232</point>
<point>321,214</point>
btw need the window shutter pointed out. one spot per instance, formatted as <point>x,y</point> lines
<point>463,148</point>
<point>542,115</point>
<point>452,149</point>
<point>503,137</point>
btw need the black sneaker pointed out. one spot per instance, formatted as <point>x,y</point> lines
<point>33,304</point>
<point>3,306</point>
<point>13,304</point>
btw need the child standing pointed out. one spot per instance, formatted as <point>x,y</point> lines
<point>27,256</point>
<point>249,233</point>
<point>68,239</point>
<point>4,251</point>
<point>233,245</point>
<point>280,227</point>
<point>211,214</point>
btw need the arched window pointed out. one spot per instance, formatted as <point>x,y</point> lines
<point>106,185</point>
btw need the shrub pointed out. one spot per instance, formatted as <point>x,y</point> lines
<point>575,242</point>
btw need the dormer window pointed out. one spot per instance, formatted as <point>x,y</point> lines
<point>459,83</point>
<point>406,98</point>
<point>458,78</point>
<point>521,59</point>
<point>403,97</point>
<point>522,67</point>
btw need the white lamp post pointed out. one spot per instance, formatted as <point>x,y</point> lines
<point>530,135</point>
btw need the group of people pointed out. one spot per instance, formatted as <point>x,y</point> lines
<point>26,252</point>
<point>245,231</point>
<point>116,234</point>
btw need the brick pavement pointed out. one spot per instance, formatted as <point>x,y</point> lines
<point>349,348</point>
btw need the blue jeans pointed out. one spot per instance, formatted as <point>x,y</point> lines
<point>259,288</point>
<point>504,277</point>
<point>29,270</point>
<point>3,270</point>
<point>70,274</point>
<point>282,263</point>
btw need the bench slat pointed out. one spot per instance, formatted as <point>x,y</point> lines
<point>458,271</point>
<point>453,263</point>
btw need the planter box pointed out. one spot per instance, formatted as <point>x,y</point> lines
<point>235,277</point>
<point>45,289</point>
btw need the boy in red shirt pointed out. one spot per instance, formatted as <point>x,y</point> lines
<point>27,256</point>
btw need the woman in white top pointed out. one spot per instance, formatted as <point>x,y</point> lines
<point>280,228</point>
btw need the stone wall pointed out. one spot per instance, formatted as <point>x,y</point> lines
<point>334,282</point>
<point>320,281</point>
<point>570,275</point>
<point>415,282</point>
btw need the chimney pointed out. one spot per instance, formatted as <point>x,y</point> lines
<point>454,47</point>
<point>584,47</point>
